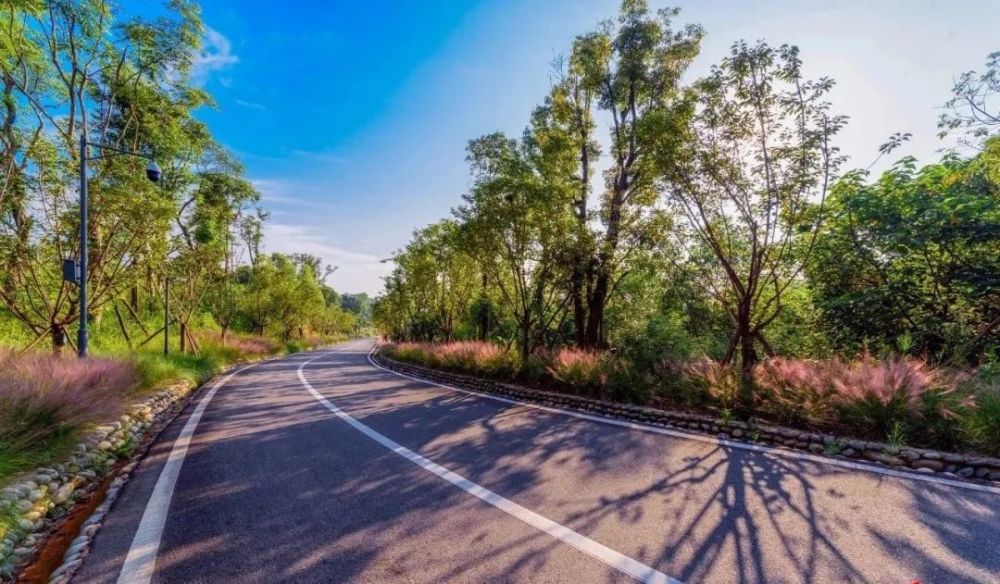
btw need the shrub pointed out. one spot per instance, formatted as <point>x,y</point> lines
<point>981,423</point>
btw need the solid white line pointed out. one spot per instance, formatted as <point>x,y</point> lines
<point>710,439</point>
<point>621,562</point>
<point>141,558</point>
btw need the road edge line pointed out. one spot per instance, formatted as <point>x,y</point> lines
<point>140,561</point>
<point>707,439</point>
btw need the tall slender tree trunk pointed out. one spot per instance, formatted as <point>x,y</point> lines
<point>183,329</point>
<point>595,311</point>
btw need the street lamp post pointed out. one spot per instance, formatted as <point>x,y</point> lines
<point>153,173</point>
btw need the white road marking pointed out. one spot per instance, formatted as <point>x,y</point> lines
<point>709,439</point>
<point>621,562</point>
<point>141,559</point>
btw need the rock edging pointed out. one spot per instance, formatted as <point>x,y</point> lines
<point>31,507</point>
<point>921,460</point>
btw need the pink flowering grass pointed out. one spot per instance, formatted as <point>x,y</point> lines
<point>578,367</point>
<point>43,397</point>
<point>468,356</point>
<point>876,397</point>
<point>243,345</point>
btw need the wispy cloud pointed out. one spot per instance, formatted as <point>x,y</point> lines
<point>250,104</point>
<point>216,54</point>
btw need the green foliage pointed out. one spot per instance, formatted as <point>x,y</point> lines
<point>983,424</point>
<point>913,255</point>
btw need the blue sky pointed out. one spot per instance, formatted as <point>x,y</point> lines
<point>352,117</point>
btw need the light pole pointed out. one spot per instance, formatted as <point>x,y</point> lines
<point>153,173</point>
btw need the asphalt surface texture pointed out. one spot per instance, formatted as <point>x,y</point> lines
<point>277,487</point>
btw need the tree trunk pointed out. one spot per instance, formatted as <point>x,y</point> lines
<point>183,329</point>
<point>58,339</point>
<point>579,306</point>
<point>748,361</point>
<point>595,315</point>
<point>525,344</point>
<point>225,329</point>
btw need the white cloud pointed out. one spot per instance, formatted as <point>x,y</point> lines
<point>356,272</point>
<point>250,104</point>
<point>216,54</point>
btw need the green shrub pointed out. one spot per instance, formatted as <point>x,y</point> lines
<point>981,423</point>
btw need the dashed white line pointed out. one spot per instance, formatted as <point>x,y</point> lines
<point>619,561</point>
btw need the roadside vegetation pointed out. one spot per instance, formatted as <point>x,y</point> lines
<point>188,250</point>
<point>892,398</point>
<point>715,250</point>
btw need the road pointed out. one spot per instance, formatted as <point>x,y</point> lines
<point>320,467</point>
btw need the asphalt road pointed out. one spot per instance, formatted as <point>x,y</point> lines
<point>320,467</point>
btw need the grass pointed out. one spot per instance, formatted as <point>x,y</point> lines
<point>895,399</point>
<point>47,401</point>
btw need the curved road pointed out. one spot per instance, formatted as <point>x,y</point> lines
<point>320,467</point>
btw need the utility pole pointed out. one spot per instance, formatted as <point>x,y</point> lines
<point>152,173</point>
<point>166,316</point>
<point>81,337</point>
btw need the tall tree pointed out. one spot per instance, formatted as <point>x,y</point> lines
<point>629,71</point>
<point>516,220</point>
<point>748,180</point>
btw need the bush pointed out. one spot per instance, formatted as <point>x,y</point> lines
<point>981,424</point>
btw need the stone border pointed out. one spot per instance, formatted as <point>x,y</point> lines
<point>34,505</point>
<point>947,464</point>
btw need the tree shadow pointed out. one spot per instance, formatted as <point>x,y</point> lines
<point>276,489</point>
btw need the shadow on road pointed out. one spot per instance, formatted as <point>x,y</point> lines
<point>275,486</point>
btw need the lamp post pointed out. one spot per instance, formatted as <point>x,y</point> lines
<point>153,173</point>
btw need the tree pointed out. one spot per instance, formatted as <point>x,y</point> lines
<point>516,219</point>
<point>630,71</point>
<point>911,259</point>
<point>748,180</point>
<point>66,67</point>
<point>974,107</point>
